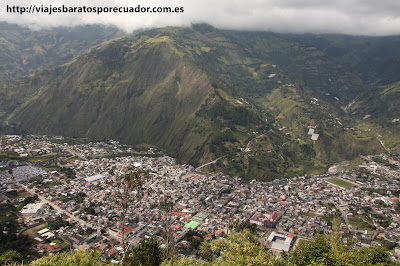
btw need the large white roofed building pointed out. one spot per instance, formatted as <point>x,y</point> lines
<point>33,209</point>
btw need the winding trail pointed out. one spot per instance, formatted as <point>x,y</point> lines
<point>248,144</point>
<point>247,149</point>
<point>378,137</point>
<point>216,160</point>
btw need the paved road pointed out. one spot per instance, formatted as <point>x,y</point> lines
<point>75,153</point>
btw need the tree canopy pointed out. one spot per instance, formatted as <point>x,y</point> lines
<point>75,257</point>
<point>147,252</point>
<point>236,249</point>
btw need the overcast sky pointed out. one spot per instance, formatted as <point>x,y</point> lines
<point>360,17</point>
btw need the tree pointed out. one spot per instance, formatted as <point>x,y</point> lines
<point>329,250</point>
<point>9,240</point>
<point>307,253</point>
<point>147,253</point>
<point>244,249</point>
<point>167,205</point>
<point>182,262</point>
<point>79,197</point>
<point>57,223</point>
<point>75,257</point>
<point>389,245</point>
<point>132,182</point>
<point>30,199</point>
<point>10,257</point>
<point>240,226</point>
<point>195,238</point>
<point>236,249</point>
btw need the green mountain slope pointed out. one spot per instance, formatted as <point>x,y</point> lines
<point>379,113</point>
<point>246,99</point>
<point>23,51</point>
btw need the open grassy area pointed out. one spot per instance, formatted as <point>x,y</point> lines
<point>9,156</point>
<point>40,227</point>
<point>302,240</point>
<point>6,168</point>
<point>57,241</point>
<point>340,182</point>
<point>43,158</point>
<point>355,163</point>
<point>362,223</point>
<point>309,214</point>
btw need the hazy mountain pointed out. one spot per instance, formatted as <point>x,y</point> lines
<point>23,50</point>
<point>201,94</point>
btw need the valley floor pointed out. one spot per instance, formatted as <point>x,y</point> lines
<point>77,191</point>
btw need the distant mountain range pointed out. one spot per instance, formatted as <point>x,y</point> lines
<point>248,99</point>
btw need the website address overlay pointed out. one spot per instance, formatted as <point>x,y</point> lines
<point>91,9</point>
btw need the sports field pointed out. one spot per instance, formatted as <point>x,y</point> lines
<point>340,182</point>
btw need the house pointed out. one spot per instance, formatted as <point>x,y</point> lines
<point>52,248</point>
<point>112,252</point>
<point>219,233</point>
<point>261,219</point>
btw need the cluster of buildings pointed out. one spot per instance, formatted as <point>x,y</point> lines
<point>38,145</point>
<point>183,199</point>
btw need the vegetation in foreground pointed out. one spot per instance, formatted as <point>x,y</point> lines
<point>236,249</point>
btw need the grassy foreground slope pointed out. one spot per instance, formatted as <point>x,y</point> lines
<point>244,249</point>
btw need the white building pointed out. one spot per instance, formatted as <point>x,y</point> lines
<point>32,209</point>
<point>280,242</point>
<point>94,178</point>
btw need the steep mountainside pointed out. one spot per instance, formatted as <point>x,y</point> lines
<point>379,113</point>
<point>23,51</point>
<point>265,105</point>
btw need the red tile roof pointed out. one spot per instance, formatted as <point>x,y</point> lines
<point>112,252</point>
<point>219,232</point>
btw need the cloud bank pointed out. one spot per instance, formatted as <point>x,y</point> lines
<point>357,17</point>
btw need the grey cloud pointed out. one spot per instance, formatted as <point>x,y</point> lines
<point>361,17</point>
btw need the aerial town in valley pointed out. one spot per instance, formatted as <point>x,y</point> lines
<point>65,194</point>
